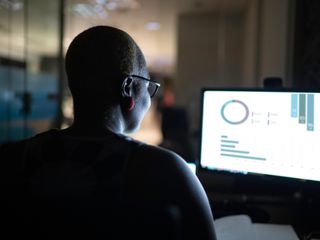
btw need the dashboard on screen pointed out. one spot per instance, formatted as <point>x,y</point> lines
<point>263,132</point>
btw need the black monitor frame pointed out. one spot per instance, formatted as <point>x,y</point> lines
<point>253,181</point>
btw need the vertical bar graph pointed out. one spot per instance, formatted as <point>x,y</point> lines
<point>294,105</point>
<point>310,112</point>
<point>302,108</point>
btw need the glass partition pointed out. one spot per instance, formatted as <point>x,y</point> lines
<point>29,53</point>
<point>12,70</point>
<point>42,56</point>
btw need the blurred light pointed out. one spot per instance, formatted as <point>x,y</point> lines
<point>102,7</point>
<point>83,9</point>
<point>100,11</point>
<point>101,2</point>
<point>103,14</point>
<point>115,5</point>
<point>112,6</point>
<point>98,7</point>
<point>14,5</point>
<point>153,26</point>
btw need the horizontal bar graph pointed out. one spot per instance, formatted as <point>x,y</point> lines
<point>229,149</point>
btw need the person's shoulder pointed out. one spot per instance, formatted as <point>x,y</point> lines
<point>163,166</point>
<point>45,135</point>
<point>12,147</point>
<point>157,151</point>
<point>155,155</point>
<point>160,175</point>
<point>11,155</point>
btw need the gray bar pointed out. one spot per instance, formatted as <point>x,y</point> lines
<point>302,108</point>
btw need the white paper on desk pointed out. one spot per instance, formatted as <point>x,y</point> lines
<point>236,227</point>
<point>274,232</point>
<point>240,227</point>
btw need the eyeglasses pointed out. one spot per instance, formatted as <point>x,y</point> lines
<point>153,85</point>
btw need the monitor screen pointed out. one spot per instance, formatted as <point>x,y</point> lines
<point>263,132</point>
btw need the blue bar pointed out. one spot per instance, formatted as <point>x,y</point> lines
<point>234,151</point>
<point>310,112</point>
<point>294,105</point>
<point>240,156</point>
<point>229,141</point>
<point>228,146</point>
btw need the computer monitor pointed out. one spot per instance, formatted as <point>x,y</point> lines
<point>261,132</point>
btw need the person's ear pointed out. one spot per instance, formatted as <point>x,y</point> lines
<point>127,102</point>
<point>126,89</point>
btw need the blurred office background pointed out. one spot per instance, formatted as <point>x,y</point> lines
<point>188,44</point>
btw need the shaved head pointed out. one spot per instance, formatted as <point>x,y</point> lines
<point>98,63</point>
<point>97,59</point>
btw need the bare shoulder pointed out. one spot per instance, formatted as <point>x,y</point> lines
<point>161,175</point>
<point>163,163</point>
<point>152,155</point>
<point>156,166</point>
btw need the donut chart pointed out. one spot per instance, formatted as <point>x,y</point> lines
<point>241,106</point>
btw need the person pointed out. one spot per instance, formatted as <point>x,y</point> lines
<point>81,174</point>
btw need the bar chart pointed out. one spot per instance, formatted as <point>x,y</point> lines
<point>229,148</point>
<point>302,108</point>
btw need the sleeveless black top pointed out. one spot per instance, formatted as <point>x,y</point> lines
<point>70,185</point>
<point>75,167</point>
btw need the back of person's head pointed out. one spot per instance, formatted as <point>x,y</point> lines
<point>98,58</point>
<point>106,69</point>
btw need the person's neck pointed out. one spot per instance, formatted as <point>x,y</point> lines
<point>88,125</point>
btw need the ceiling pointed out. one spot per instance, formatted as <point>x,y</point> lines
<point>158,44</point>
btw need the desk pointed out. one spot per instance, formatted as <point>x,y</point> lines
<point>264,204</point>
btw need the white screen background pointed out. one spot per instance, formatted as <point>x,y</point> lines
<point>268,141</point>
